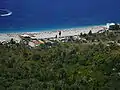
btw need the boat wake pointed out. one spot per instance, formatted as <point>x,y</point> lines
<point>5,12</point>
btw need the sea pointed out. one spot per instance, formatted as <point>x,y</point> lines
<point>41,15</point>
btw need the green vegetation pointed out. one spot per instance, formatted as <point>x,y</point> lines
<point>114,27</point>
<point>66,66</point>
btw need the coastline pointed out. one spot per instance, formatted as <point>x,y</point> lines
<point>53,33</point>
<point>38,30</point>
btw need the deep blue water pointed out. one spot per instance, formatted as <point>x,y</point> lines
<point>48,14</point>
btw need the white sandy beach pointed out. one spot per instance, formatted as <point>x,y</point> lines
<point>68,32</point>
<point>50,34</point>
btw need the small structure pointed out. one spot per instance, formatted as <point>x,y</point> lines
<point>112,26</point>
<point>108,25</point>
<point>59,33</point>
<point>41,42</point>
<point>25,35</point>
<point>31,44</point>
<point>35,43</point>
<point>101,31</point>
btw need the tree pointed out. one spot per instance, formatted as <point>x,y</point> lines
<point>64,66</point>
<point>12,41</point>
<point>90,32</point>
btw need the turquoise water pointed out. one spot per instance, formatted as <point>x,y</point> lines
<point>21,30</point>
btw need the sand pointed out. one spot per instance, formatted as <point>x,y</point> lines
<point>68,32</point>
<point>52,34</point>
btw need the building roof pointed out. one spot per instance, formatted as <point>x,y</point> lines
<point>25,35</point>
<point>109,24</point>
<point>37,42</point>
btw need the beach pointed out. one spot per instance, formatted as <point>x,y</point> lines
<point>52,34</point>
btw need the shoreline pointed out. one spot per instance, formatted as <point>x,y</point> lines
<point>52,33</point>
<point>38,30</point>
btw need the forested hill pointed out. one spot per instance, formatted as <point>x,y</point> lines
<point>66,66</point>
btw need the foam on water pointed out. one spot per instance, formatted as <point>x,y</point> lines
<point>5,12</point>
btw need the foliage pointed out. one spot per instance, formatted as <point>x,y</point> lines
<point>65,66</point>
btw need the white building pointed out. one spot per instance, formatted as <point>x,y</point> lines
<point>111,24</point>
<point>108,25</point>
